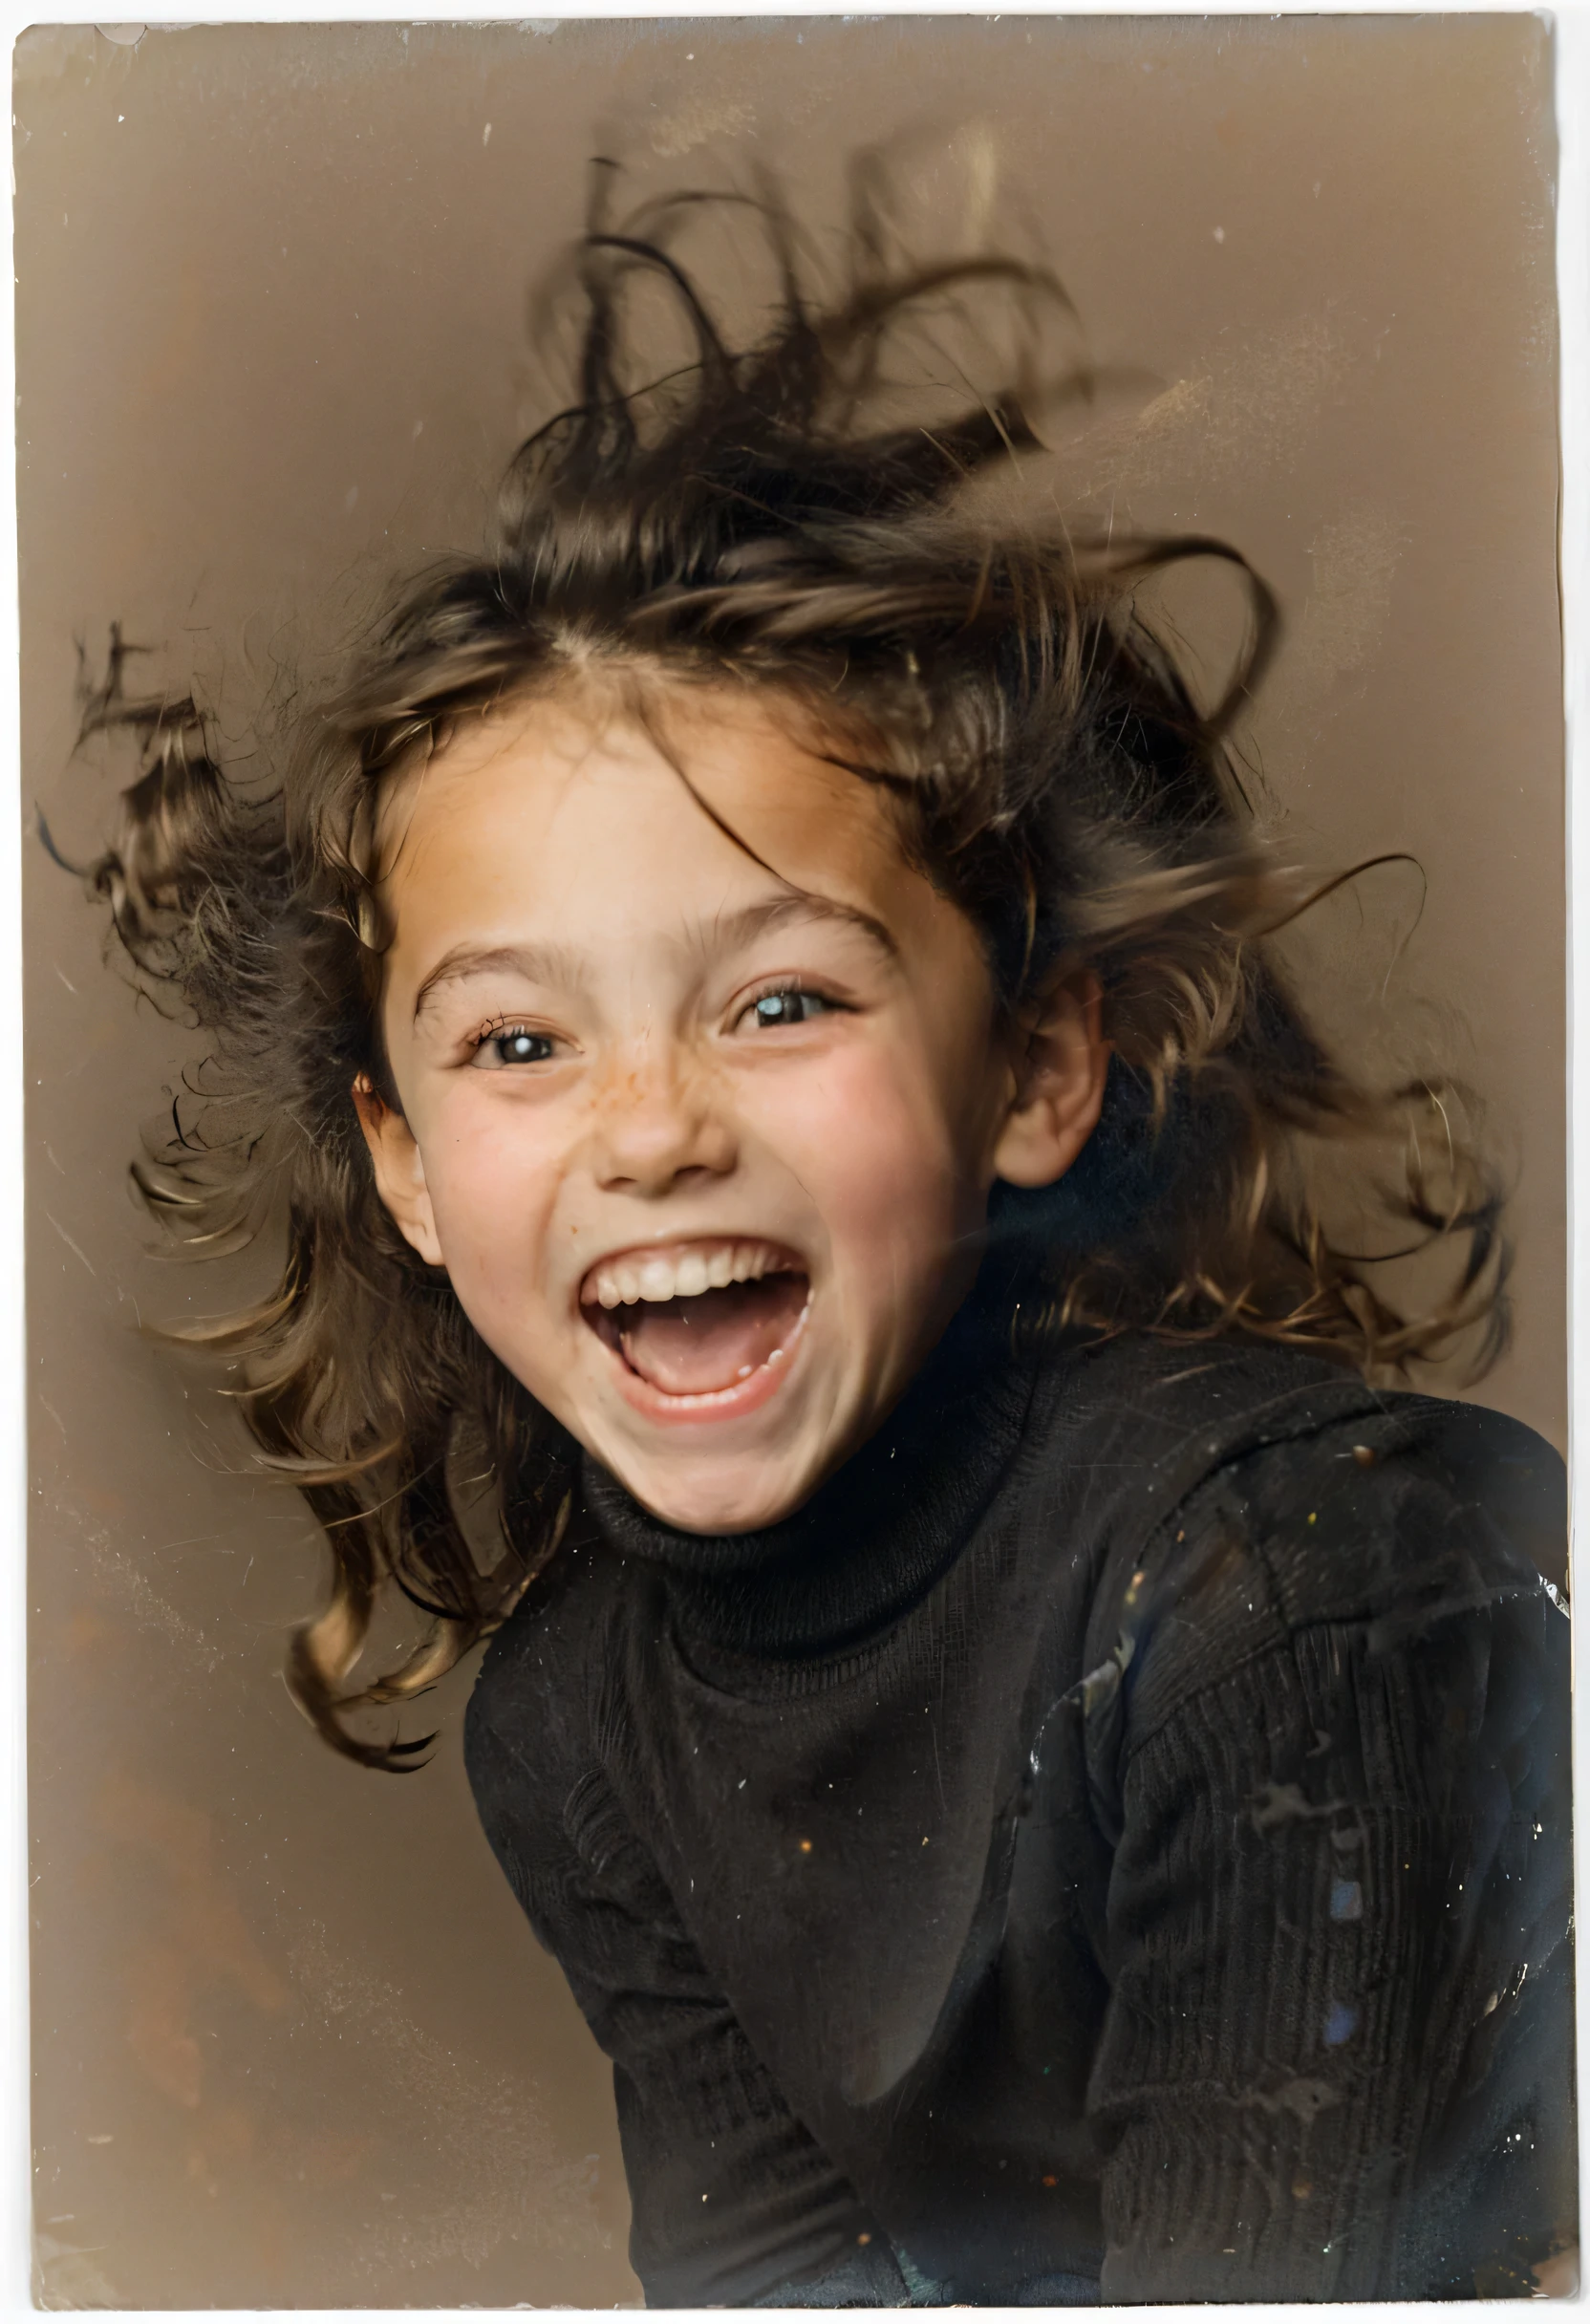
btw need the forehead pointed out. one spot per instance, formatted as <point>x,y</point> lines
<point>576,803</point>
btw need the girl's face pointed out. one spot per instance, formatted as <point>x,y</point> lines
<point>703,1142</point>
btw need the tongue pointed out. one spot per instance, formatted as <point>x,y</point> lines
<point>688,1347</point>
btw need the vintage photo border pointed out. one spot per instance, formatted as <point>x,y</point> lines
<point>1571,25</point>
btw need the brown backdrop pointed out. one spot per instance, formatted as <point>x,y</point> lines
<point>293,2043</point>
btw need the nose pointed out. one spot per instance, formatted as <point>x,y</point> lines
<point>660,1125</point>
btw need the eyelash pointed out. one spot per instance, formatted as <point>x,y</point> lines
<point>494,1034</point>
<point>793,990</point>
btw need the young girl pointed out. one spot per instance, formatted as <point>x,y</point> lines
<point>805,1195</point>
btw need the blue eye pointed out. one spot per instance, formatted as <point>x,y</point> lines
<point>788,1008</point>
<point>513,1045</point>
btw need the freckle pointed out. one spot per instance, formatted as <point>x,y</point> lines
<point>1364,1455</point>
<point>864,2238</point>
<point>805,1847</point>
<point>1049,2179</point>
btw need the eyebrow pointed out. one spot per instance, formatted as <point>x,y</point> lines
<point>556,964</point>
<point>737,928</point>
<point>539,963</point>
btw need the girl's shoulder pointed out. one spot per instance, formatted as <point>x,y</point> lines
<point>1309,1452</point>
<point>1291,1512</point>
<point>540,1692</point>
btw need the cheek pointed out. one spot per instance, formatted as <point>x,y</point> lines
<point>883,1154</point>
<point>492,1175</point>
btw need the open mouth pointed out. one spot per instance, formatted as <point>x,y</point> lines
<point>698,1319</point>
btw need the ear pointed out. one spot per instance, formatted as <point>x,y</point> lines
<point>399,1169</point>
<point>1059,1087</point>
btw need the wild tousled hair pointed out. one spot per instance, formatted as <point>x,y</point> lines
<point>757,516</point>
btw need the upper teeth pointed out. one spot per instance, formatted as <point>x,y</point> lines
<point>683,1273</point>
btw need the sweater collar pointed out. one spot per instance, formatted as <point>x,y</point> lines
<point>873,1539</point>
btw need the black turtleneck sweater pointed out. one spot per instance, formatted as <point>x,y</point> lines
<point>1113,1842</point>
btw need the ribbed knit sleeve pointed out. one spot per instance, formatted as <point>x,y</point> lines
<point>1337,2059</point>
<point>732,2200</point>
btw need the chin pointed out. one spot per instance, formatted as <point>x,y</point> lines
<point>722,1496</point>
